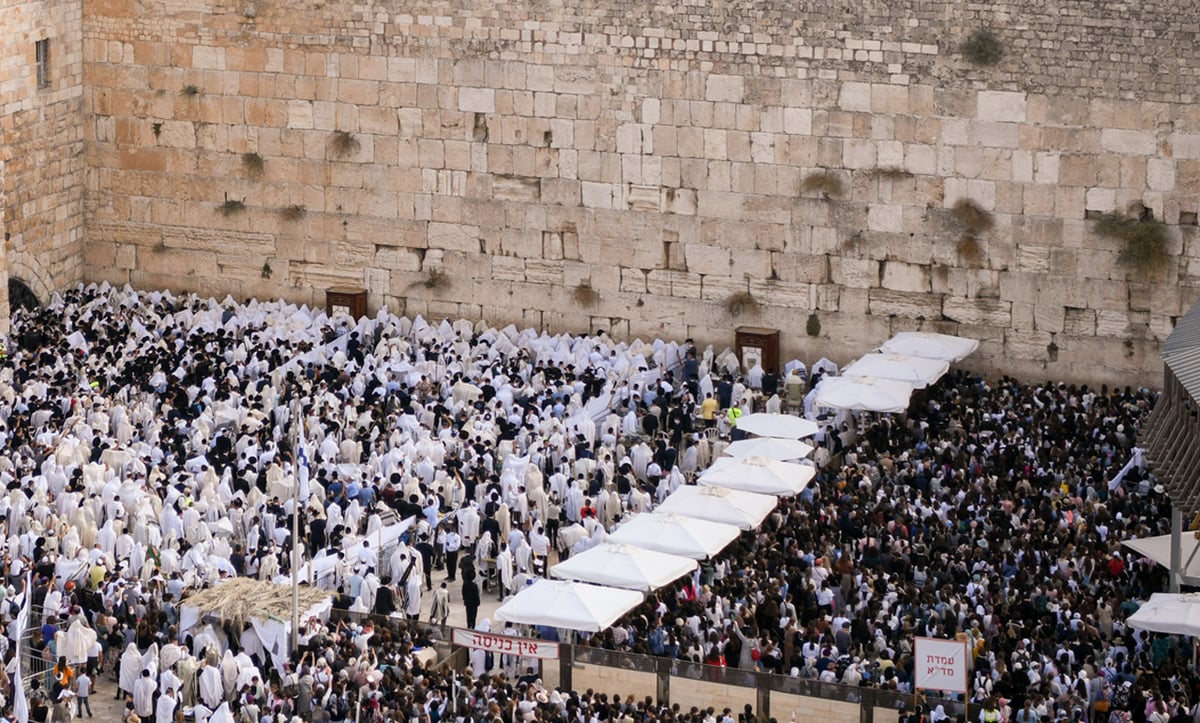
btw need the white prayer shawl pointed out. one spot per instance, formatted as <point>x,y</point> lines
<point>211,686</point>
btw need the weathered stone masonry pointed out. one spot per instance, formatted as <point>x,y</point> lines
<point>657,153</point>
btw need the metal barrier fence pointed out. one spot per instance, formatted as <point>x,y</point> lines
<point>664,669</point>
<point>34,663</point>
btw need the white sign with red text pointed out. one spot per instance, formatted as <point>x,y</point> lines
<point>524,647</point>
<point>941,664</point>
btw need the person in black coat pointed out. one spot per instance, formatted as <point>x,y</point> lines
<point>470,594</point>
<point>385,601</point>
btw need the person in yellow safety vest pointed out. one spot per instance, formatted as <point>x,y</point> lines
<point>732,415</point>
<point>990,712</point>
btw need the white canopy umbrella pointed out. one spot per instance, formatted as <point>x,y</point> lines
<point>1174,613</point>
<point>570,605</point>
<point>783,426</point>
<point>634,568</point>
<point>864,394</point>
<point>1158,548</point>
<point>769,448</point>
<point>918,371</point>
<point>741,509</point>
<point>675,535</point>
<point>755,474</point>
<point>931,345</point>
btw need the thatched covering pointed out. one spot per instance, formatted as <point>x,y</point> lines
<point>241,598</point>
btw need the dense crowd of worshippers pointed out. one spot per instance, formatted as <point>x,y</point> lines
<point>150,441</point>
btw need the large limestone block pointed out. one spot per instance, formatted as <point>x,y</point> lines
<point>453,237</point>
<point>899,276</point>
<point>804,268</point>
<point>854,273</point>
<point>855,97</point>
<point>978,312</point>
<point>477,100</point>
<point>885,218</point>
<point>1117,140</point>
<point>724,88</point>
<point>884,302</point>
<point>994,105</point>
<point>706,259</point>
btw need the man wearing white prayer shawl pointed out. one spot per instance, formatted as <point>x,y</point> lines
<point>211,686</point>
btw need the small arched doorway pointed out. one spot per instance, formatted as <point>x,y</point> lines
<point>20,296</point>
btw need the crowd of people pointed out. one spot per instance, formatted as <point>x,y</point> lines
<point>157,445</point>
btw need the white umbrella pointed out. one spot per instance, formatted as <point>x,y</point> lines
<point>1178,614</point>
<point>745,510</point>
<point>930,345</point>
<point>755,474</point>
<point>918,371</point>
<point>570,605</point>
<point>864,394</point>
<point>1158,548</point>
<point>634,568</point>
<point>675,535</point>
<point>783,426</point>
<point>768,448</point>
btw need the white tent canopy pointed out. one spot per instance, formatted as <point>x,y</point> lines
<point>745,510</point>
<point>930,345</point>
<point>918,371</point>
<point>769,448</point>
<point>755,474</point>
<point>864,394</point>
<point>1178,614</point>
<point>1158,548</point>
<point>783,426</point>
<point>633,568</point>
<point>570,605</point>
<point>675,535</point>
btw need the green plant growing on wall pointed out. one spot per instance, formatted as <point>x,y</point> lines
<point>343,143</point>
<point>973,219</point>
<point>982,47</point>
<point>1052,351</point>
<point>813,326</point>
<point>584,295</point>
<point>1144,242</point>
<point>231,206</point>
<point>436,279</point>
<point>266,270</point>
<point>743,302</point>
<point>190,90</point>
<point>295,212</point>
<point>970,250</point>
<point>253,163</point>
<point>159,247</point>
<point>157,128</point>
<point>824,182</point>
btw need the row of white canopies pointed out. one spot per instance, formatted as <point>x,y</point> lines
<point>884,381</point>
<point>696,522</point>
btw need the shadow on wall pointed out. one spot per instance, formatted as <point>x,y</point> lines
<point>20,296</point>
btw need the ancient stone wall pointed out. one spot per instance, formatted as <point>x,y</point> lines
<point>41,146</point>
<point>643,167</point>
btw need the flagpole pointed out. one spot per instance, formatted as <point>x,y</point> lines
<point>296,533</point>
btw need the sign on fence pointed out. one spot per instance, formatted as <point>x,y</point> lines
<point>525,647</point>
<point>941,664</point>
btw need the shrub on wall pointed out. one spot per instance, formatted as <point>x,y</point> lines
<point>824,182</point>
<point>584,295</point>
<point>253,163</point>
<point>743,302</point>
<point>343,143</point>
<point>1144,242</point>
<point>983,47</point>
